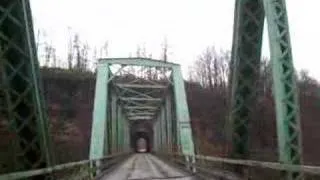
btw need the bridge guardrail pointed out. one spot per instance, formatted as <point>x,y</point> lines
<point>208,164</point>
<point>73,170</point>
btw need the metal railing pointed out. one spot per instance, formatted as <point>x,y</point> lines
<point>81,170</point>
<point>224,167</point>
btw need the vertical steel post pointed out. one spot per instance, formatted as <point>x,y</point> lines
<point>22,86</point>
<point>155,133</point>
<point>99,146</point>
<point>113,122</point>
<point>285,88</point>
<point>157,144</point>
<point>182,112</point>
<point>119,129</point>
<point>246,52</point>
<point>168,115</point>
<point>126,135</point>
<point>159,127</point>
<point>163,129</point>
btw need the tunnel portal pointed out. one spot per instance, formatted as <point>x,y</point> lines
<point>141,136</point>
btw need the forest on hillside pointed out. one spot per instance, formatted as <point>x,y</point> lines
<point>69,93</point>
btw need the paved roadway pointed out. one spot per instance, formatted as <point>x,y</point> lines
<point>146,167</point>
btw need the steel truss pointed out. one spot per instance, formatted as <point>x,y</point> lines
<point>246,52</point>
<point>131,90</point>
<point>21,87</point>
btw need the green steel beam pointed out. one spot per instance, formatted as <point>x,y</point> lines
<point>128,111</point>
<point>246,52</point>
<point>24,99</point>
<point>158,119</point>
<point>141,107</point>
<point>285,88</point>
<point>137,93</point>
<point>158,136</point>
<point>168,114</point>
<point>113,122</point>
<point>139,99</point>
<point>249,20</point>
<point>163,129</point>
<point>98,145</point>
<point>137,62</point>
<point>155,136</point>
<point>120,128</point>
<point>139,103</point>
<point>115,74</point>
<point>141,114</point>
<point>141,86</point>
<point>127,135</point>
<point>140,118</point>
<point>182,113</point>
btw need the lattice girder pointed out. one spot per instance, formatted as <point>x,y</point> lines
<point>22,87</point>
<point>248,27</point>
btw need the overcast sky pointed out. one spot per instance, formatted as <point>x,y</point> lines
<point>189,25</point>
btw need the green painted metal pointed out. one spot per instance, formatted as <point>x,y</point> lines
<point>139,86</point>
<point>285,88</point>
<point>182,113</point>
<point>141,107</point>
<point>168,114</point>
<point>163,129</point>
<point>120,129</point>
<point>139,99</point>
<point>158,136</point>
<point>141,114</point>
<point>99,144</point>
<point>137,62</point>
<point>127,136</point>
<point>246,52</point>
<point>24,101</point>
<point>155,137</point>
<point>133,118</point>
<point>247,40</point>
<point>113,122</point>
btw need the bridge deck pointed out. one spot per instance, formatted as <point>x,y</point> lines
<point>146,166</point>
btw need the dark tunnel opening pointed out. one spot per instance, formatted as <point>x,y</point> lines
<point>141,142</point>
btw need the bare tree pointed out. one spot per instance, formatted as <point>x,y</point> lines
<point>54,57</point>
<point>84,56</point>
<point>70,49</point>
<point>165,50</point>
<point>76,46</point>
<point>138,51</point>
<point>48,53</point>
<point>104,50</point>
<point>211,69</point>
<point>95,57</point>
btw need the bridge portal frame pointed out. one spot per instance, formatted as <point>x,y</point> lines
<point>110,95</point>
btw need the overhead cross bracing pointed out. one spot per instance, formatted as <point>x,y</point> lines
<point>140,90</point>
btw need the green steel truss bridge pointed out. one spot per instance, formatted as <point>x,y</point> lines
<point>127,107</point>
